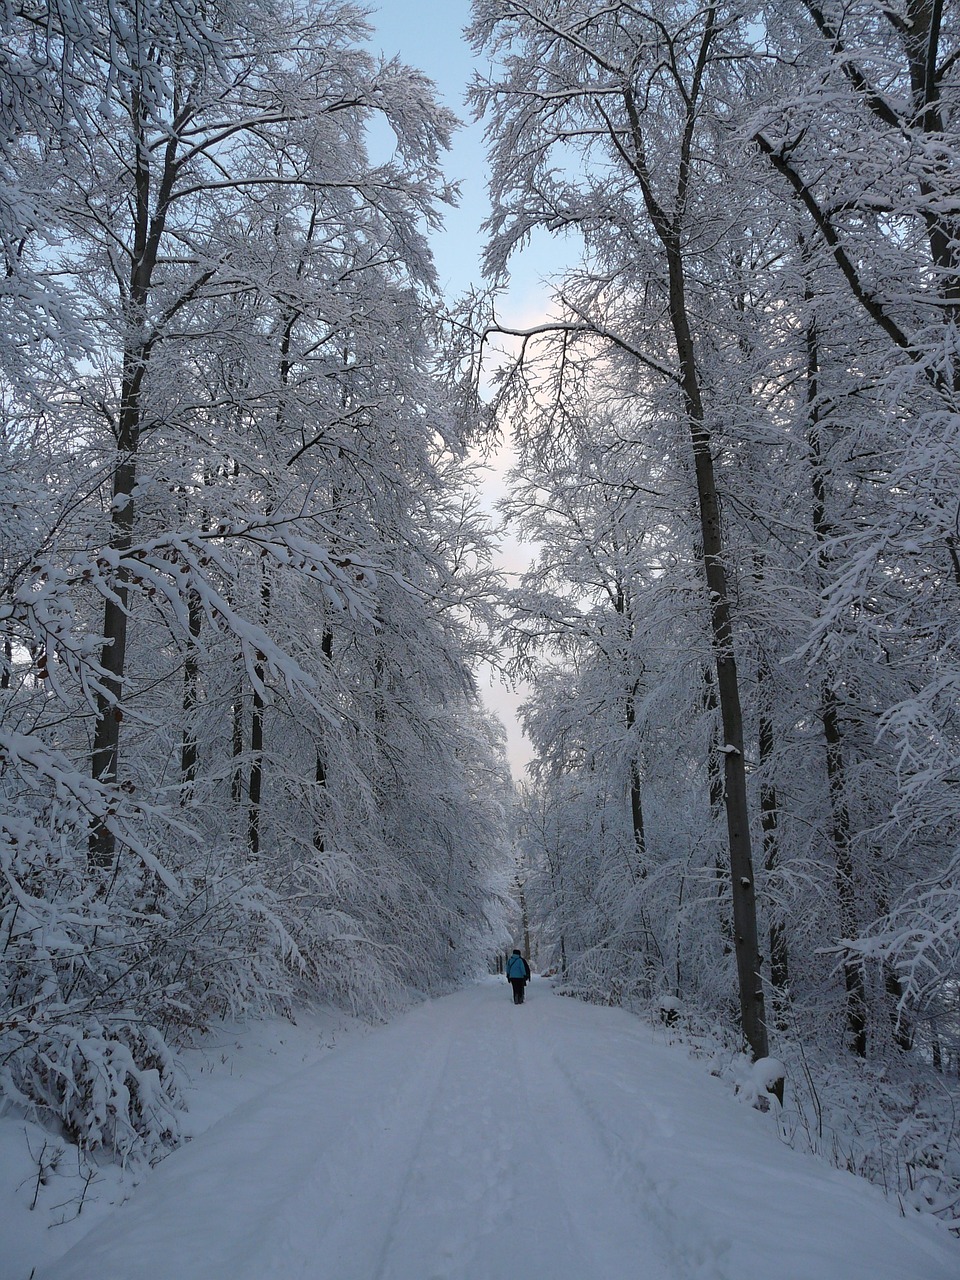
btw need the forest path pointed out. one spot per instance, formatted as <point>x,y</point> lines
<point>475,1140</point>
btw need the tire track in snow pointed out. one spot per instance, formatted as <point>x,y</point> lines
<point>692,1256</point>
<point>368,1137</point>
<point>454,1215</point>
<point>607,1221</point>
<point>436,1078</point>
<point>473,1140</point>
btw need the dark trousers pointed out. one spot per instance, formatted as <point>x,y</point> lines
<point>518,984</point>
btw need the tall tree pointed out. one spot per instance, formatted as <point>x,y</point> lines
<point>630,92</point>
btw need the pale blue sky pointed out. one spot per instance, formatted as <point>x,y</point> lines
<point>429,36</point>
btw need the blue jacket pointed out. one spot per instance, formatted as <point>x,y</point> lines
<point>517,967</point>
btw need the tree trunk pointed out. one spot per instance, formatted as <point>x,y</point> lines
<point>524,918</point>
<point>668,225</point>
<point>255,781</point>
<point>769,809</point>
<point>714,755</point>
<point>147,233</point>
<point>715,784</point>
<point>6,666</point>
<point>845,885</point>
<point>319,840</point>
<point>636,815</point>
<point>836,776</point>
<point>636,783</point>
<point>236,775</point>
<point>105,761</point>
<point>921,38</point>
<point>191,698</point>
<point>743,889</point>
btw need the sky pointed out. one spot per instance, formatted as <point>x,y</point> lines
<point>429,36</point>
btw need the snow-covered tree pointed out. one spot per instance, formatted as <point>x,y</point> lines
<point>858,126</point>
<point>240,574</point>
<point>751,367</point>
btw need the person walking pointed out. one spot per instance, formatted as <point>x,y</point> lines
<point>518,975</point>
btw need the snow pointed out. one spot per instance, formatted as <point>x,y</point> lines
<point>768,1072</point>
<point>472,1139</point>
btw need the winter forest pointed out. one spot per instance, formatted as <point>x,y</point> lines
<point>248,576</point>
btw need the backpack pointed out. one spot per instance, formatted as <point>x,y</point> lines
<point>517,967</point>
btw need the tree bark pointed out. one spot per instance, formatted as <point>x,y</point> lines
<point>105,762</point>
<point>255,781</point>
<point>668,225</point>
<point>743,889</point>
<point>148,228</point>
<point>769,810</point>
<point>853,976</point>
<point>236,775</point>
<point>191,697</point>
<point>622,607</point>
<point>6,664</point>
<point>319,839</point>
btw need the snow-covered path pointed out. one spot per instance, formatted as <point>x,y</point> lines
<point>473,1140</point>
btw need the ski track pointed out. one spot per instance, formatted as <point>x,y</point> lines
<point>475,1140</point>
<point>595,1196</point>
<point>679,1256</point>
<point>627,1144</point>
